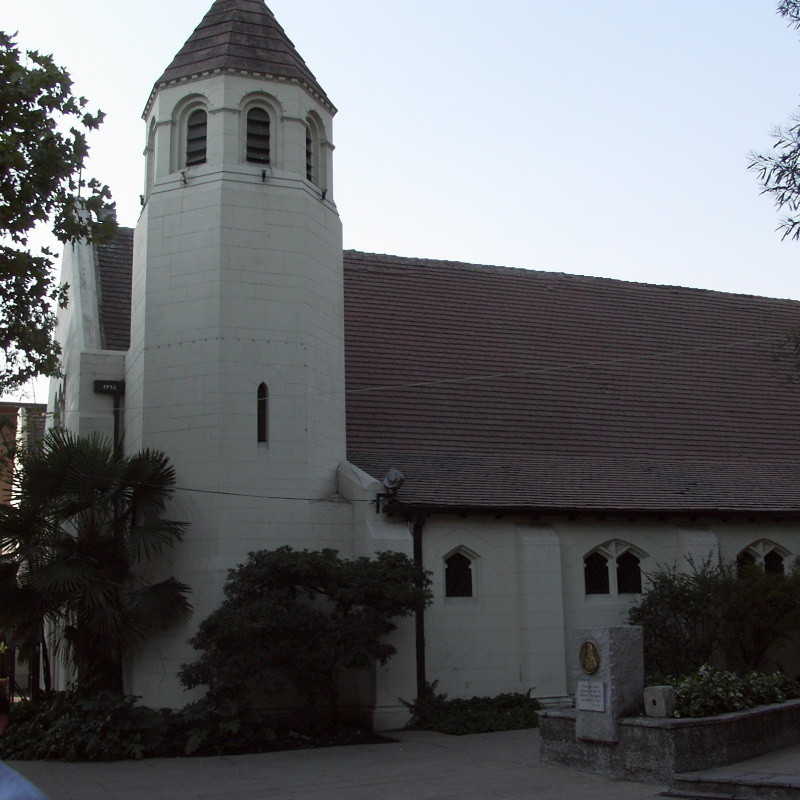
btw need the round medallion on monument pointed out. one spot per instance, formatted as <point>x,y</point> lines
<point>589,658</point>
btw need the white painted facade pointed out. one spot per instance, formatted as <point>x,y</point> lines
<point>237,281</point>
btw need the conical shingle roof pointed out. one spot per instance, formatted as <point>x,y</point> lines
<point>241,35</point>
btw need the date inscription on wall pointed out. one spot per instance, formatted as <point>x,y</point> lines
<point>590,696</point>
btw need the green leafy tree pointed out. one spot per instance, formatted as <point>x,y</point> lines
<point>778,171</point>
<point>43,148</point>
<point>306,616</point>
<point>86,519</point>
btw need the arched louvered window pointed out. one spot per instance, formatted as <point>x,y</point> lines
<point>595,574</point>
<point>458,576</point>
<point>629,574</point>
<point>196,137</point>
<point>258,136</point>
<point>310,165</point>
<point>263,413</point>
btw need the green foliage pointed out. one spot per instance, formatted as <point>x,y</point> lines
<point>86,518</point>
<point>73,727</point>
<point>712,614</point>
<point>43,148</point>
<point>710,691</point>
<point>70,726</point>
<point>505,712</point>
<point>302,618</point>
<point>778,171</point>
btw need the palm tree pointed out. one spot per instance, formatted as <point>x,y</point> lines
<point>86,519</point>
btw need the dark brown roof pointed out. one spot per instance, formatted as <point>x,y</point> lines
<point>507,388</point>
<point>492,387</point>
<point>114,264</point>
<point>238,35</point>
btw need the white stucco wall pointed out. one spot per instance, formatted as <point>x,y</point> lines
<point>518,630</point>
<point>83,361</point>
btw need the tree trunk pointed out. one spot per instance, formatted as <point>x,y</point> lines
<point>48,678</point>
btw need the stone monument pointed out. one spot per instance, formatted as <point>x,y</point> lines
<point>610,682</point>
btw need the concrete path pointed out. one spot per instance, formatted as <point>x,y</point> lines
<point>774,775</point>
<point>422,766</point>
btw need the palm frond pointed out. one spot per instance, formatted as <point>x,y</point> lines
<point>149,539</point>
<point>158,606</point>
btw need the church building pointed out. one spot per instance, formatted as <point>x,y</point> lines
<point>538,441</point>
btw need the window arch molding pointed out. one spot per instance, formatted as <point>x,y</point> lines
<point>460,573</point>
<point>180,128</point>
<point>613,568</point>
<point>150,159</point>
<point>269,104</point>
<point>765,553</point>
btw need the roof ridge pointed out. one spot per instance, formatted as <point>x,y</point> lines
<point>389,259</point>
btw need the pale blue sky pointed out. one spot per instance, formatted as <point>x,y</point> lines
<point>607,137</point>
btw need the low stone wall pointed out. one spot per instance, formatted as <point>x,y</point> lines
<point>656,749</point>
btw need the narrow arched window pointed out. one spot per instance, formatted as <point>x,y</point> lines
<point>629,574</point>
<point>310,171</point>
<point>773,563</point>
<point>196,137</point>
<point>263,413</point>
<point>595,574</point>
<point>458,576</point>
<point>258,136</point>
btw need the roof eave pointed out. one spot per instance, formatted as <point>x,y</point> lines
<point>412,509</point>
<point>159,85</point>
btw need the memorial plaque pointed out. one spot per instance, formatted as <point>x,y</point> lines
<point>589,658</point>
<point>590,696</point>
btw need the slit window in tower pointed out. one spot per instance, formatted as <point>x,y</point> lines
<point>258,136</point>
<point>196,137</point>
<point>263,413</point>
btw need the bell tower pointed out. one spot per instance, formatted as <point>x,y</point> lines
<point>236,365</point>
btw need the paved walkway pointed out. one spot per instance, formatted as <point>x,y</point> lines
<point>423,766</point>
<point>777,770</point>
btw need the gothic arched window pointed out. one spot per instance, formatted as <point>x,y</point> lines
<point>262,413</point>
<point>458,576</point>
<point>629,574</point>
<point>773,563</point>
<point>744,560</point>
<point>626,578</point>
<point>595,574</point>
<point>258,136</point>
<point>766,554</point>
<point>196,137</point>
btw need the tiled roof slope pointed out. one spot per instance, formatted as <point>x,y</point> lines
<point>241,35</point>
<point>506,388</point>
<point>114,264</point>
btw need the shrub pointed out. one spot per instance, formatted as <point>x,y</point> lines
<point>302,619</point>
<point>710,691</point>
<point>71,727</point>
<point>68,727</point>
<point>505,712</point>
<point>713,614</point>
